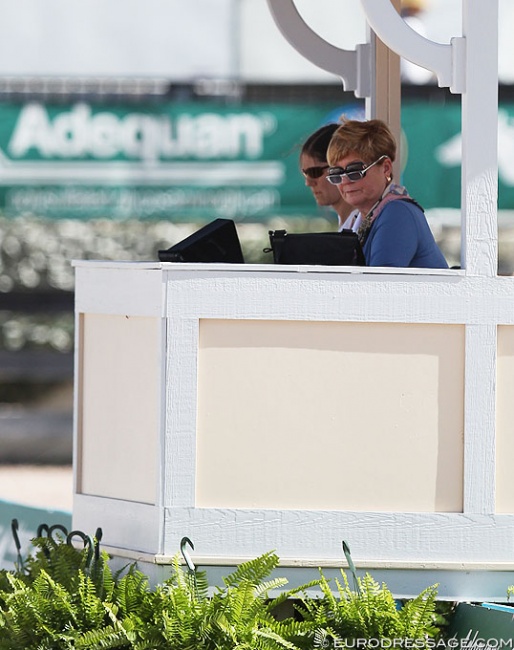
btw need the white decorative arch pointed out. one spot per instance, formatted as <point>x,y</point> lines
<point>446,61</point>
<point>352,66</point>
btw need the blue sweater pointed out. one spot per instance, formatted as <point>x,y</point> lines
<point>401,236</point>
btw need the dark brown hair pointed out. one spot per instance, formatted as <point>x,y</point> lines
<point>316,144</point>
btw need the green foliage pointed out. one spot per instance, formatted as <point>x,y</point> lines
<point>62,597</point>
<point>186,616</point>
<point>369,612</point>
<point>444,612</point>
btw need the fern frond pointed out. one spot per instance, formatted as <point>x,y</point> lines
<point>369,612</point>
<point>102,638</point>
<point>276,638</point>
<point>418,615</point>
<point>253,571</point>
<point>130,591</point>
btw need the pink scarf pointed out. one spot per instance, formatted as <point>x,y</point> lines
<point>392,192</point>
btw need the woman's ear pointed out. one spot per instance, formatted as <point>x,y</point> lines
<point>388,169</point>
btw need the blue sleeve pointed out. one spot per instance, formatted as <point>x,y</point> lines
<point>393,238</point>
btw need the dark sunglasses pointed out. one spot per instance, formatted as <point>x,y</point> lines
<point>314,172</point>
<point>354,171</point>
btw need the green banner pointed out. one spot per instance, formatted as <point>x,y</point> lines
<point>178,161</point>
<point>183,161</point>
<point>431,156</point>
<point>433,153</point>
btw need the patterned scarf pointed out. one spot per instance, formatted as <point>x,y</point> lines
<point>391,193</point>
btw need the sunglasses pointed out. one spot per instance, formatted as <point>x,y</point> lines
<point>354,171</point>
<point>314,172</point>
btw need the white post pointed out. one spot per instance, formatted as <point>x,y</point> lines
<point>480,138</point>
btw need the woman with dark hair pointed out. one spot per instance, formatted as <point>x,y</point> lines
<point>393,229</point>
<point>314,167</point>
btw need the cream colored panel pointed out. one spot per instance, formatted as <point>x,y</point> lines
<point>120,407</point>
<point>336,416</point>
<point>505,420</point>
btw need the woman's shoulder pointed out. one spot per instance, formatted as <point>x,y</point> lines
<point>404,208</point>
<point>405,204</point>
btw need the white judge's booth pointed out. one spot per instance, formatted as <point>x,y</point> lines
<point>270,407</point>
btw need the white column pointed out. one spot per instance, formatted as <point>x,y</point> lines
<point>480,138</point>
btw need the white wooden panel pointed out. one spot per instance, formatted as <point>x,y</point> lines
<point>480,415</point>
<point>124,524</point>
<point>330,416</point>
<point>120,407</point>
<point>309,535</point>
<point>361,296</point>
<point>179,455</point>
<point>137,293</point>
